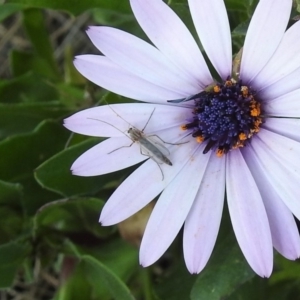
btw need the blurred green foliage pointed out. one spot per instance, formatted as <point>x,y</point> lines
<point>49,218</point>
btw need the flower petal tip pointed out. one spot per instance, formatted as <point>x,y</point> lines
<point>73,172</point>
<point>193,270</point>
<point>143,265</point>
<point>105,221</point>
<point>265,273</point>
<point>92,28</point>
<point>89,28</point>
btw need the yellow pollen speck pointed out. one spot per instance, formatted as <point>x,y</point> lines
<point>244,90</point>
<point>255,108</point>
<point>256,129</point>
<point>217,89</point>
<point>220,153</point>
<point>183,127</point>
<point>199,139</point>
<point>228,83</point>
<point>242,136</point>
<point>238,144</point>
<point>255,112</point>
<point>257,123</point>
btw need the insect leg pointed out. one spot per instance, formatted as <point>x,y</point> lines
<point>148,119</point>
<point>120,148</point>
<point>145,154</point>
<point>165,141</point>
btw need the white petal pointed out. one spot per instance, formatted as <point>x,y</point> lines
<point>172,38</point>
<point>203,221</point>
<point>279,157</point>
<point>116,119</point>
<point>248,215</point>
<point>211,22</point>
<point>141,59</point>
<point>286,127</point>
<point>285,60</point>
<point>283,86</point>
<point>287,105</point>
<point>143,185</point>
<point>285,235</point>
<point>101,160</point>
<point>110,76</point>
<point>172,208</point>
<point>264,34</point>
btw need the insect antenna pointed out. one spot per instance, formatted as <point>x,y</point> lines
<point>118,114</point>
<point>109,125</point>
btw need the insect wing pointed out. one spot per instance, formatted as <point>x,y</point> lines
<point>155,150</point>
<point>159,145</point>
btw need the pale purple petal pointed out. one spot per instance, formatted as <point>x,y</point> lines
<point>141,59</point>
<point>172,208</point>
<point>103,72</point>
<point>130,197</point>
<point>203,221</point>
<point>172,38</point>
<point>279,157</point>
<point>287,105</point>
<point>283,86</point>
<point>284,231</point>
<point>286,127</point>
<point>285,60</point>
<point>248,215</point>
<point>120,117</point>
<point>264,34</point>
<point>211,22</point>
<point>101,160</point>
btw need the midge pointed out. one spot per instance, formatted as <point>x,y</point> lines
<point>148,147</point>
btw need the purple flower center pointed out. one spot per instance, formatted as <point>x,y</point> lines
<point>225,117</point>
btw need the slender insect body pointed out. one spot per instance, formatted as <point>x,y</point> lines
<point>155,150</point>
<point>148,147</point>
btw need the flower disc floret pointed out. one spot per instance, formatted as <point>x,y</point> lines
<point>226,116</point>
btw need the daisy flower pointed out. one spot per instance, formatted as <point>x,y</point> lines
<point>242,129</point>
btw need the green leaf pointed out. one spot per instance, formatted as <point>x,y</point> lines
<point>76,286</point>
<point>55,174</point>
<point>23,153</point>
<point>10,193</point>
<point>286,270</point>
<point>17,118</point>
<point>33,20</point>
<point>11,211</point>
<point>112,18</point>
<point>72,97</point>
<point>79,215</point>
<point>12,256</point>
<point>75,7</point>
<point>24,62</point>
<point>29,88</point>
<point>118,256</point>
<point>98,272</point>
<point>11,222</point>
<point>71,74</point>
<point>9,9</point>
<point>256,288</point>
<point>109,263</point>
<point>177,284</point>
<point>225,272</point>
